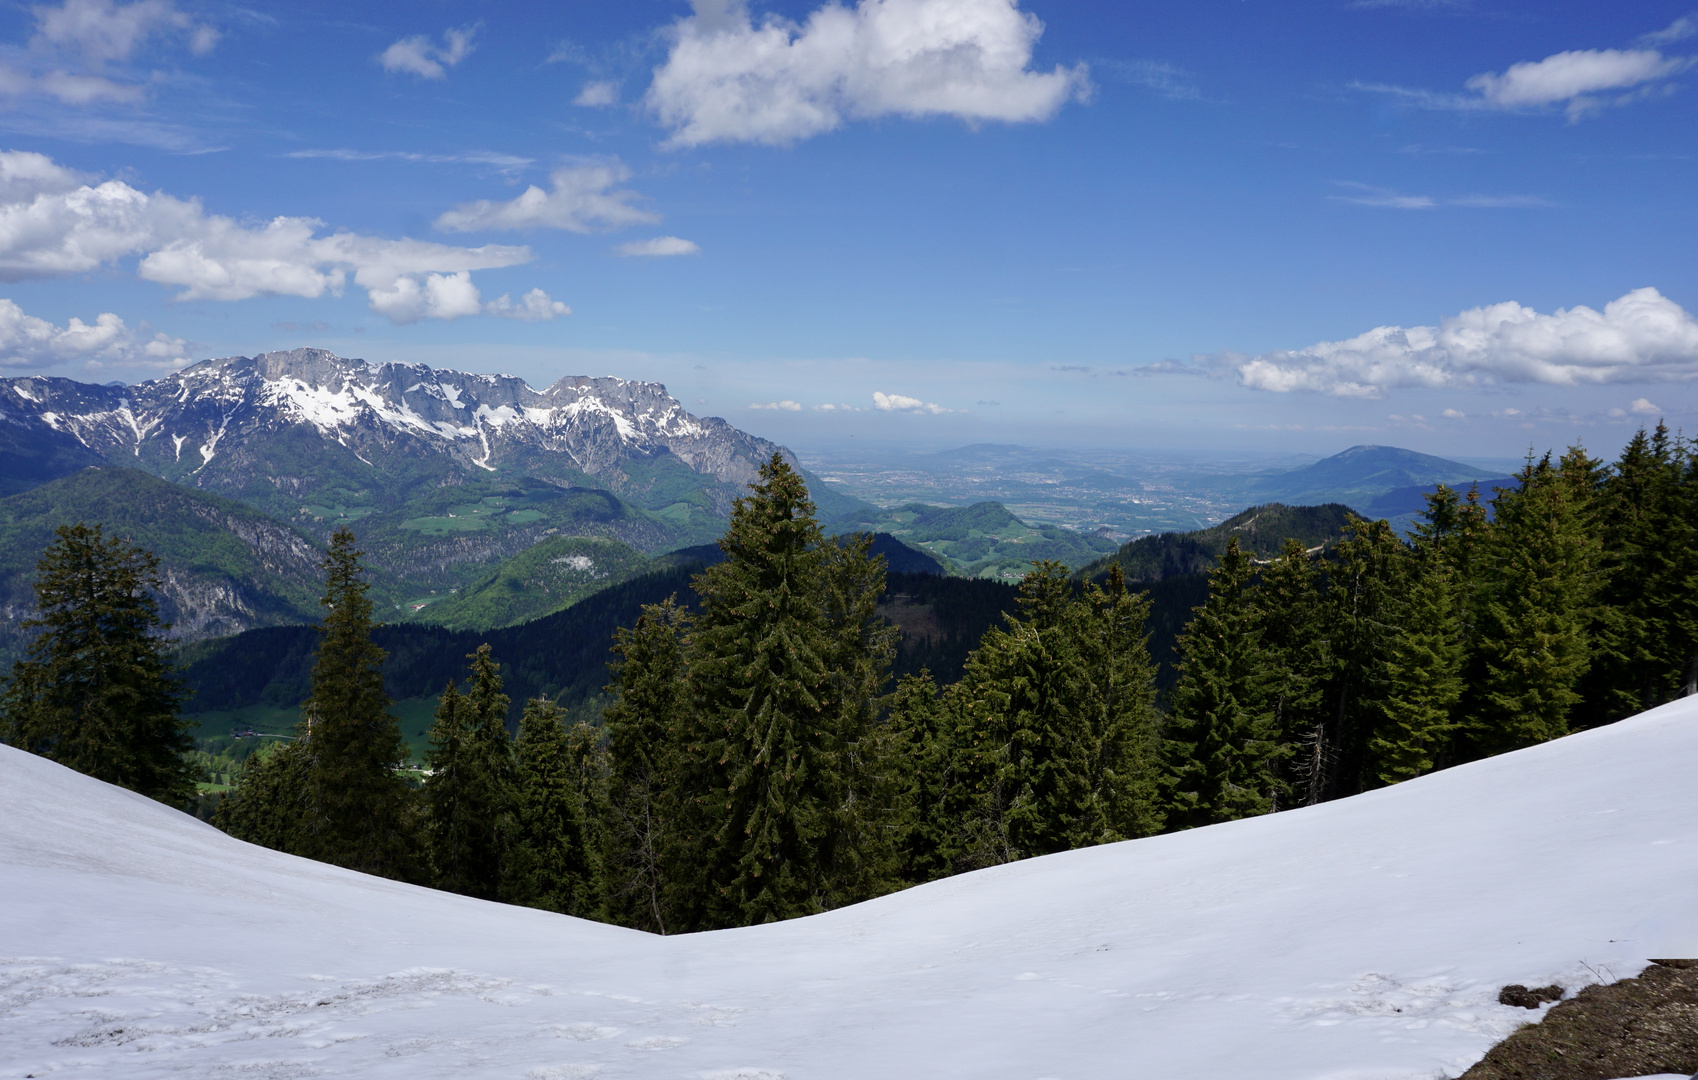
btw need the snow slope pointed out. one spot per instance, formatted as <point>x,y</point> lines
<point>1361,940</point>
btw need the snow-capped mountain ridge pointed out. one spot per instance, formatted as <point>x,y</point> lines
<point>180,425</point>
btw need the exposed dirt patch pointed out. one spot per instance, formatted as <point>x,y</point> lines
<point>1635,1027</point>
<point>1523,998</point>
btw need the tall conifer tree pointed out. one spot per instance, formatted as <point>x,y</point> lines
<point>1032,746</point>
<point>1295,631</point>
<point>96,691</point>
<point>1125,761</point>
<point>451,795</point>
<point>1363,595</point>
<point>652,812</point>
<point>1222,749</point>
<point>1423,677</point>
<point>777,736</point>
<point>1642,645</point>
<point>550,865</point>
<point>1540,581</point>
<point>359,811</point>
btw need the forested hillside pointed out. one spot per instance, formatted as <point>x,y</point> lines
<point>1261,531</point>
<point>224,567</point>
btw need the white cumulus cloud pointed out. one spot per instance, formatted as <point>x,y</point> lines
<point>659,247</point>
<point>534,306</point>
<point>1640,337</point>
<point>436,296</point>
<point>418,55</point>
<point>28,341</point>
<point>903,403</point>
<point>48,227</point>
<point>582,198</point>
<point>728,80</point>
<point>1644,407</point>
<point>785,406</point>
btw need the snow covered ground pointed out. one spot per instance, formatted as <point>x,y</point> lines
<point>1361,940</point>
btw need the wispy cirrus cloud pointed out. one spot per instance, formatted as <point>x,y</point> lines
<point>1682,29</point>
<point>1166,80</point>
<point>502,162</point>
<point>1369,195</point>
<point>1582,81</point>
<point>660,247</point>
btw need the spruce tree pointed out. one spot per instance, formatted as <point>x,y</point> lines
<point>1221,749</point>
<point>1423,677</point>
<point>266,804</point>
<point>1362,608</point>
<point>773,736</point>
<point>549,865</point>
<point>451,794</point>
<point>1540,579</point>
<point>1295,632</point>
<point>927,799</point>
<point>1032,745</point>
<point>1646,633</point>
<point>646,725</point>
<point>1125,763</point>
<point>96,691</point>
<point>491,804</point>
<point>359,811</point>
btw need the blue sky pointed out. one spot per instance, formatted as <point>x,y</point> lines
<point>1462,226</point>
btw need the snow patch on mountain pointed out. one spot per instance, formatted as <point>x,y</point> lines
<point>1364,939</point>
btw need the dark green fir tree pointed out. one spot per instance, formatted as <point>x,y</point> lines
<point>1541,577</point>
<point>1029,729</point>
<point>647,849</point>
<point>96,691</point>
<point>1125,762</point>
<point>359,811</point>
<point>775,727</point>
<point>1423,677</point>
<point>1361,612</point>
<point>1643,644</point>
<point>1221,748</point>
<point>470,794</point>
<point>450,790</point>
<point>1295,634</point>
<point>549,865</point>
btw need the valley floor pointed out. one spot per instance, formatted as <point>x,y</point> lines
<point>1363,939</point>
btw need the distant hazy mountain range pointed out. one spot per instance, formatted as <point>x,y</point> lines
<point>482,502</point>
<point>1375,481</point>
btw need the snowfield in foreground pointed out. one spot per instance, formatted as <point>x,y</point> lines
<point>1361,940</point>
